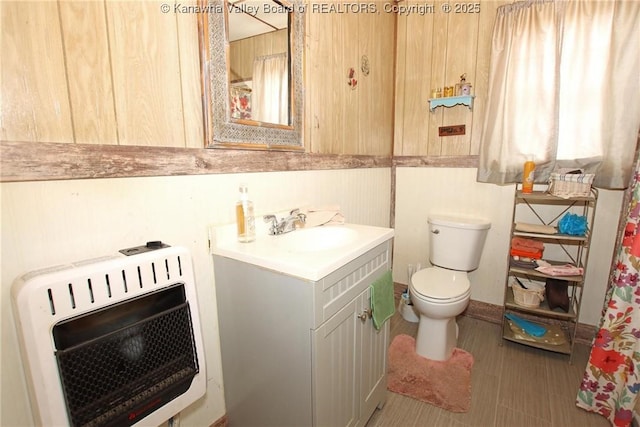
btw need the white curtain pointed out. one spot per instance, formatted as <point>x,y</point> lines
<point>270,96</point>
<point>564,88</point>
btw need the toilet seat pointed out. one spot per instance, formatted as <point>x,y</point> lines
<point>439,285</point>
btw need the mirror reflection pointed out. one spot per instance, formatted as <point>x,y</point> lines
<point>259,61</point>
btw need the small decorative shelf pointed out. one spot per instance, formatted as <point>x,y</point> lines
<point>451,101</point>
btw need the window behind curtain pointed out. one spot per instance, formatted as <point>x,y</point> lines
<point>564,86</point>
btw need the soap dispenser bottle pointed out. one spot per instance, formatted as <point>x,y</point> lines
<point>244,216</point>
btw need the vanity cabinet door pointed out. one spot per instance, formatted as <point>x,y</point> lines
<point>350,366</point>
<point>335,369</point>
<point>373,360</point>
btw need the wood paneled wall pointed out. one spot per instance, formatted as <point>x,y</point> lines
<point>127,73</point>
<point>434,49</point>
<point>35,101</point>
<point>341,118</point>
<point>100,72</point>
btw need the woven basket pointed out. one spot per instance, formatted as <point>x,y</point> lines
<point>570,185</point>
<point>530,298</point>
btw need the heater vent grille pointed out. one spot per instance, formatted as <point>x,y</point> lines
<point>100,290</point>
<point>117,378</point>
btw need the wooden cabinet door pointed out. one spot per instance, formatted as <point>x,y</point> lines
<point>373,361</point>
<point>336,368</point>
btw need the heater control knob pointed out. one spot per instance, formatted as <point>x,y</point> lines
<point>148,247</point>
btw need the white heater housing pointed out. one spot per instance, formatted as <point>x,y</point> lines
<point>43,298</point>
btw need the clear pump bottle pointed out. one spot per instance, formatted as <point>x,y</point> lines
<point>244,216</point>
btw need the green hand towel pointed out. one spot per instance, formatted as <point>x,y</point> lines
<point>382,302</point>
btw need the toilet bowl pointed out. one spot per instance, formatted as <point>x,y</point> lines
<point>442,292</point>
<point>438,295</point>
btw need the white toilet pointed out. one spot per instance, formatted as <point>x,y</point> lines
<point>442,292</point>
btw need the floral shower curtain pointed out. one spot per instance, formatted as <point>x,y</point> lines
<point>611,382</point>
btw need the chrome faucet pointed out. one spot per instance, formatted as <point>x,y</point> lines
<point>285,225</point>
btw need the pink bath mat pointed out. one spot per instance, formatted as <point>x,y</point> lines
<point>446,385</point>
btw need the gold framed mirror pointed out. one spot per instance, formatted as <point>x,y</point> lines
<point>228,121</point>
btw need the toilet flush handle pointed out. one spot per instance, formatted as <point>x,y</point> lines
<point>365,314</point>
<point>436,231</point>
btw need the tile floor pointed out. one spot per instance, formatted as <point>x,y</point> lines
<point>511,384</point>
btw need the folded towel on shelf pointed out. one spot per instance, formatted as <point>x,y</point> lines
<point>526,244</point>
<point>522,263</point>
<point>525,253</point>
<point>558,270</point>
<point>535,228</point>
<point>382,302</point>
<point>322,215</point>
<point>526,248</point>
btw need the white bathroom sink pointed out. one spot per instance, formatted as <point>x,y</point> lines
<point>308,253</point>
<point>316,239</point>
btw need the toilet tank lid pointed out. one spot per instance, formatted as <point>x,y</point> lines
<point>459,222</point>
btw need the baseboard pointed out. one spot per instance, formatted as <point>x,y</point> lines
<point>493,313</point>
<point>221,422</point>
<point>484,311</point>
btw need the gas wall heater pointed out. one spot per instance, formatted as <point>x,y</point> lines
<point>114,341</point>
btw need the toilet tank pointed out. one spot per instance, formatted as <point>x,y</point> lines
<point>456,242</point>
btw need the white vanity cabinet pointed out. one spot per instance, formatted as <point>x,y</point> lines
<point>300,352</point>
<point>348,346</point>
